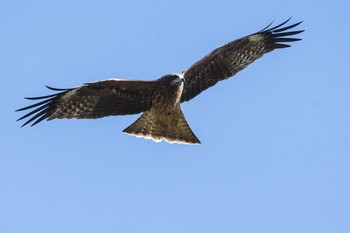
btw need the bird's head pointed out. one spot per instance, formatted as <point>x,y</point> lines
<point>173,79</point>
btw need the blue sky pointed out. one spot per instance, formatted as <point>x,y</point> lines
<point>275,138</point>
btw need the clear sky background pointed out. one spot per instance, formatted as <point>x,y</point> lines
<point>275,151</point>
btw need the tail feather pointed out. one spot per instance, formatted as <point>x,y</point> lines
<point>172,128</point>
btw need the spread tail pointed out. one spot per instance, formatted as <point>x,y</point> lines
<point>172,128</point>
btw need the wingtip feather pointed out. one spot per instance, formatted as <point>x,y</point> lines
<point>278,35</point>
<point>57,89</point>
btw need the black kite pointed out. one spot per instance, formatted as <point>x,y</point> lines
<point>160,99</point>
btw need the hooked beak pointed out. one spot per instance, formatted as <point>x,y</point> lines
<point>178,80</point>
<point>182,78</point>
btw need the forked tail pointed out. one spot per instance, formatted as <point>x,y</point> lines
<point>172,128</point>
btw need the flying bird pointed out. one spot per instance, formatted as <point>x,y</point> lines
<point>159,100</point>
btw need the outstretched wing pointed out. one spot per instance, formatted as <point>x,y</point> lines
<point>227,60</point>
<point>93,100</point>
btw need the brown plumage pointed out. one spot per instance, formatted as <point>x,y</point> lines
<point>159,99</point>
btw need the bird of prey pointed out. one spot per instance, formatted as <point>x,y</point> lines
<point>159,100</point>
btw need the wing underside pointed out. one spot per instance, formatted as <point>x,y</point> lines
<point>93,100</point>
<point>227,60</point>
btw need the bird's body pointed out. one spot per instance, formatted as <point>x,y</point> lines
<point>159,100</point>
<point>165,120</point>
